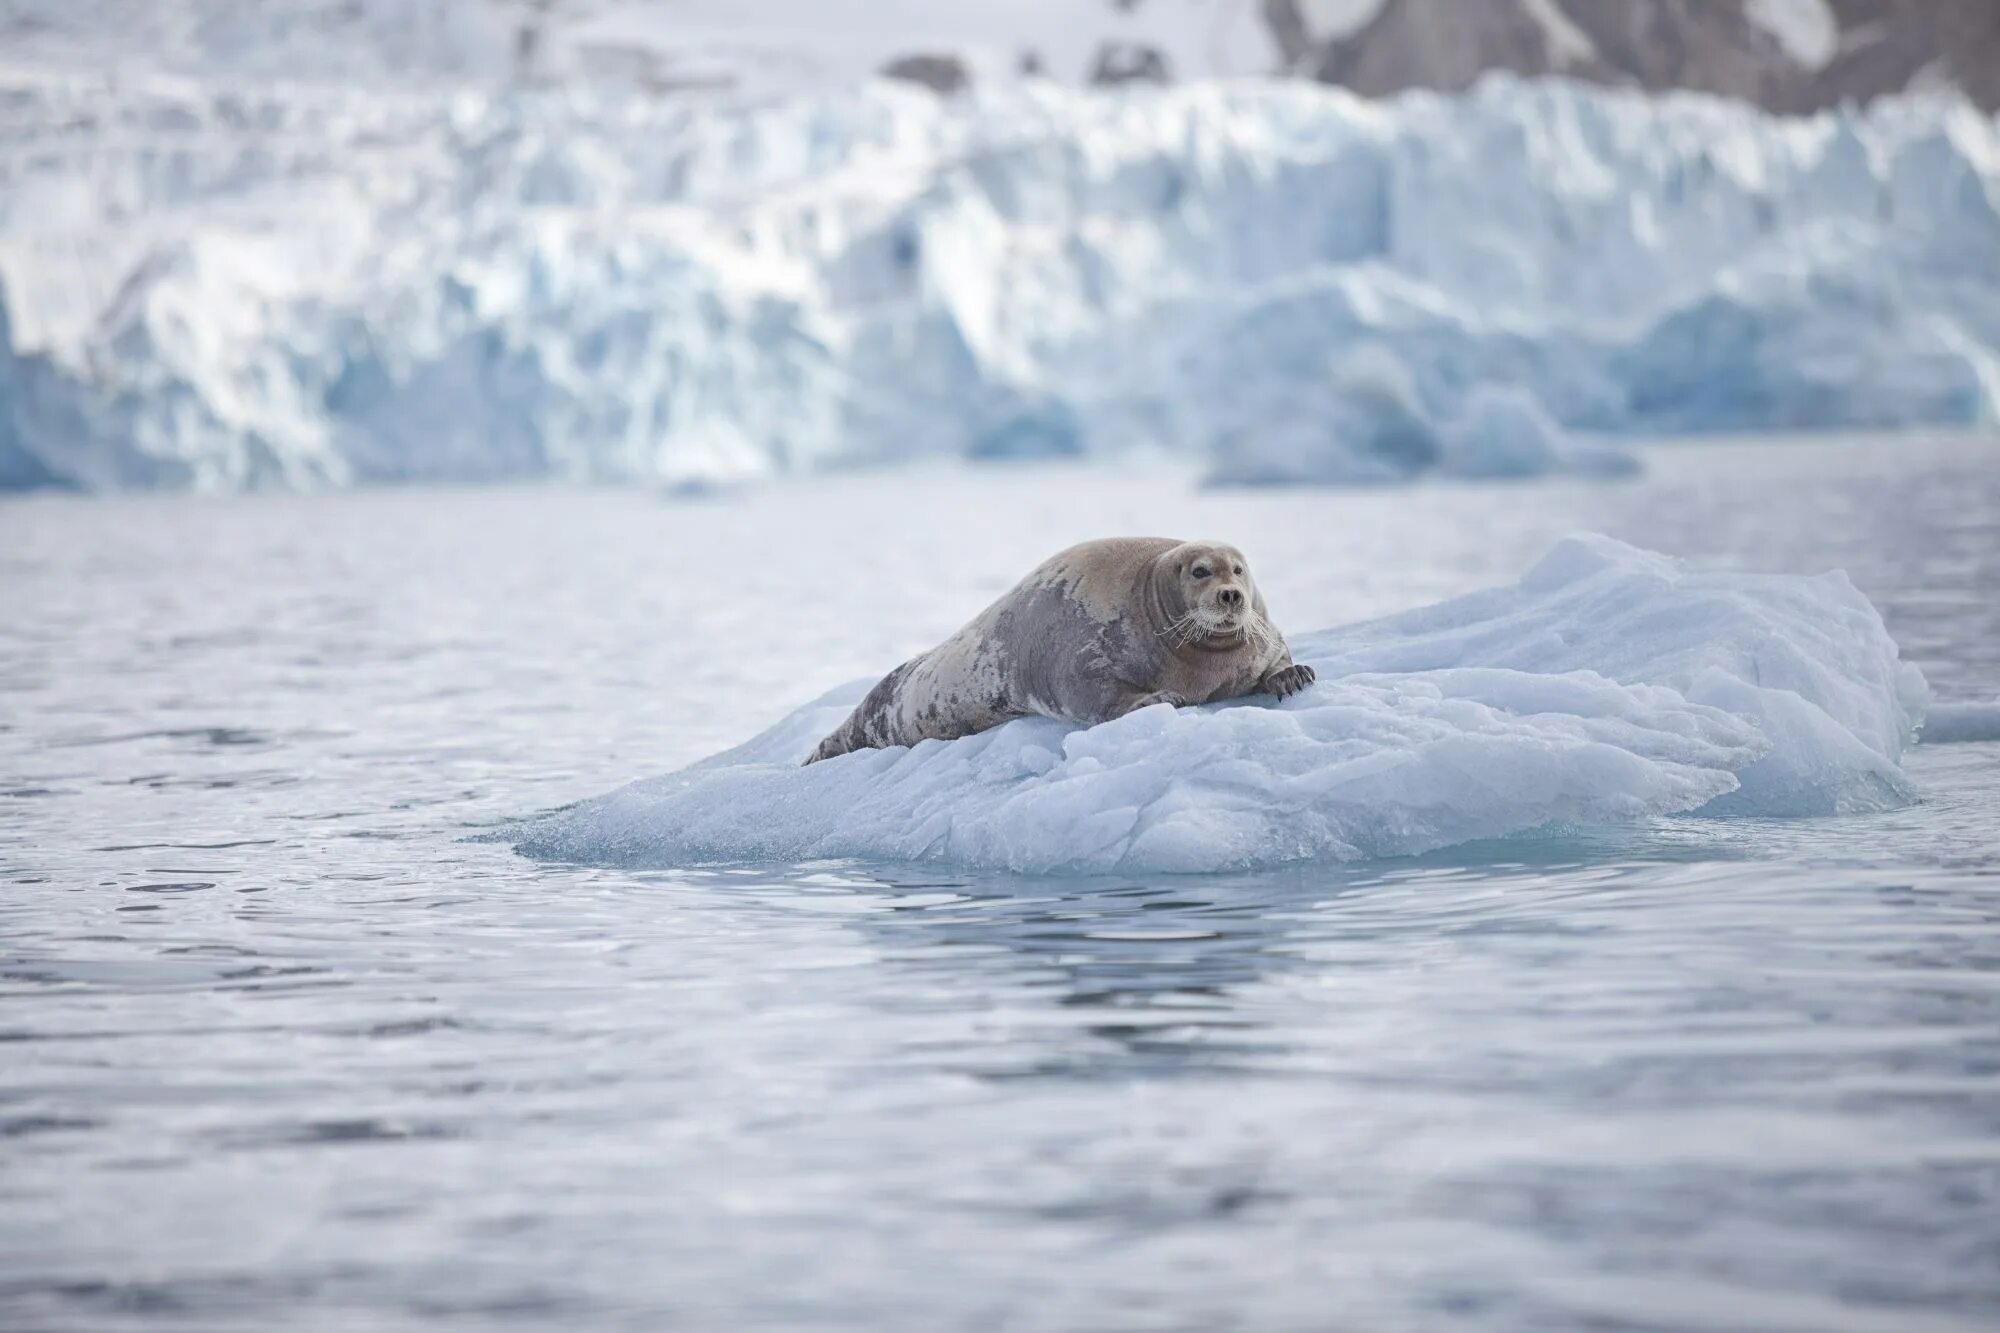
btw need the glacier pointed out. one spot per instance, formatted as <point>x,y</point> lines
<point>1610,685</point>
<point>213,285</point>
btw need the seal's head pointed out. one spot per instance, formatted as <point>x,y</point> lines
<point>1212,597</point>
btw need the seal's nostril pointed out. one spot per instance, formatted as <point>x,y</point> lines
<point>1231,597</point>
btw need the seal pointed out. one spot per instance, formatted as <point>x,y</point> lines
<point>1091,634</point>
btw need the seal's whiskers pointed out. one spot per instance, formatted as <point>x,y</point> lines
<point>1182,630</point>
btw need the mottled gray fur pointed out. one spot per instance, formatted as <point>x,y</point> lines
<point>1093,633</point>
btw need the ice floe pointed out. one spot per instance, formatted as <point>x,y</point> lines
<point>1610,685</point>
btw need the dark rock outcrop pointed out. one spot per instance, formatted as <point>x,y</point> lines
<point>1129,62</point>
<point>1890,44</point>
<point>1712,46</point>
<point>938,72</point>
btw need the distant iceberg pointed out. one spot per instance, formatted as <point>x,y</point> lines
<point>302,285</point>
<point>1609,686</point>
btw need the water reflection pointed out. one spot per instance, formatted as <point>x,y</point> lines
<point>1152,975</point>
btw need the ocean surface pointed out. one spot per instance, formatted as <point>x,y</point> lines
<point>285,1041</point>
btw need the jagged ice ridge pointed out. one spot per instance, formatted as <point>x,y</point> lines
<point>214,287</point>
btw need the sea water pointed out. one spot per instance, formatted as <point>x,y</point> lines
<point>287,1038</point>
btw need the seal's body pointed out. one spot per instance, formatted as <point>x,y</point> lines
<point>1093,633</point>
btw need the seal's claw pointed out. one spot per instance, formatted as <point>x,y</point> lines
<point>1288,681</point>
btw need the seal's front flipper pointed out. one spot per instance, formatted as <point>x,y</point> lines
<point>1134,703</point>
<point>1289,680</point>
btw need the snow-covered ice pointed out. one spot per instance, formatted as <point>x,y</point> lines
<point>1609,685</point>
<point>221,284</point>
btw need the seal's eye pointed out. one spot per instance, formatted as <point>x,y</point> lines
<point>1239,569</point>
<point>1200,571</point>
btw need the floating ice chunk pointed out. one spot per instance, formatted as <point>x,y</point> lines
<point>1609,686</point>
<point>1806,660</point>
<point>1373,766</point>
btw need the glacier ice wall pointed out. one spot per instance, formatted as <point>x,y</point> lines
<point>226,286</point>
<point>1609,686</point>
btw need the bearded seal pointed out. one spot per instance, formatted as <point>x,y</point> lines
<point>1094,632</point>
